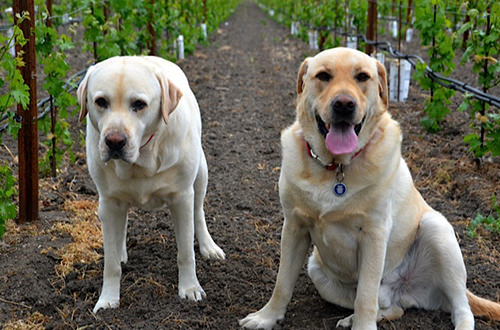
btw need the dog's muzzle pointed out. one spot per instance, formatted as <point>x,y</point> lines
<point>343,110</point>
<point>341,132</point>
<point>116,142</point>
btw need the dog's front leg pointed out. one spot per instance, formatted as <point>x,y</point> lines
<point>113,216</point>
<point>182,208</point>
<point>373,246</point>
<point>295,241</point>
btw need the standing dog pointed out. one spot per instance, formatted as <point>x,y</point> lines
<point>379,248</point>
<point>144,149</point>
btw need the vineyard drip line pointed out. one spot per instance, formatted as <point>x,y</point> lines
<point>446,82</point>
<point>440,79</point>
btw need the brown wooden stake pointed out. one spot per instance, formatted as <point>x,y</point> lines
<point>371,28</point>
<point>408,13</point>
<point>335,26</point>
<point>53,110</point>
<point>400,18</point>
<point>433,55</point>
<point>205,18</point>
<point>53,118</point>
<point>151,30</point>
<point>347,27</point>
<point>48,22</point>
<point>28,134</point>
<point>466,33</point>
<point>485,71</point>
<point>94,44</point>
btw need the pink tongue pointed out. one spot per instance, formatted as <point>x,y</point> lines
<point>341,140</point>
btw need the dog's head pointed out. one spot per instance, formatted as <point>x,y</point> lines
<point>341,93</point>
<point>126,98</point>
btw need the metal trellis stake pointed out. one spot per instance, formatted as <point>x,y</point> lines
<point>28,134</point>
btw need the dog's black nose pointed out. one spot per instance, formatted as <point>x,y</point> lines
<point>115,140</point>
<point>343,107</point>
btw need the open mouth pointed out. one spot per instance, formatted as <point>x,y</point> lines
<point>324,128</point>
<point>340,138</point>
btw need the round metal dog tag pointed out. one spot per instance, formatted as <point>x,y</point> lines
<point>339,189</point>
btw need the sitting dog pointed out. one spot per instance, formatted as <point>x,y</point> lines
<point>379,248</point>
<point>144,149</point>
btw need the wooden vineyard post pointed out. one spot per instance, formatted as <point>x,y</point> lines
<point>346,20</point>
<point>400,23</point>
<point>485,72</point>
<point>408,13</point>
<point>28,134</point>
<point>94,44</point>
<point>466,33</point>
<point>151,30</point>
<point>433,45</point>
<point>205,19</point>
<point>53,109</point>
<point>371,28</point>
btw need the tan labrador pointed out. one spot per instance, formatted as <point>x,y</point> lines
<point>379,248</point>
<point>144,149</point>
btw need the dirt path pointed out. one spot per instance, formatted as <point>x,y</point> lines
<point>245,85</point>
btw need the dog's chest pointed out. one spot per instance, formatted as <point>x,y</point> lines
<point>146,194</point>
<point>338,245</point>
<point>140,191</point>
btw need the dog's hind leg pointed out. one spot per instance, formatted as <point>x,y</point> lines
<point>330,289</point>
<point>449,273</point>
<point>208,248</point>
<point>113,215</point>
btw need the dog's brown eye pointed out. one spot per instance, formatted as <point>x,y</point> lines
<point>138,105</point>
<point>324,76</point>
<point>362,76</point>
<point>101,102</point>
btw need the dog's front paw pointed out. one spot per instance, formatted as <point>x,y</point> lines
<point>369,326</point>
<point>211,250</point>
<point>263,319</point>
<point>345,322</point>
<point>191,292</point>
<point>105,303</point>
<point>348,322</point>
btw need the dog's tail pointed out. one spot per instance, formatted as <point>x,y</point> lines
<point>483,307</point>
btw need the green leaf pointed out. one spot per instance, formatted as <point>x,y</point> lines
<point>21,95</point>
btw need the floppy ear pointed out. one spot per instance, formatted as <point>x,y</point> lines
<point>81,93</point>
<point>300,77</point>
<point>170,96</point>
<point>382,83</point>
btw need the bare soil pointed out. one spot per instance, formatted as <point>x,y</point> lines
<point>245,84</point>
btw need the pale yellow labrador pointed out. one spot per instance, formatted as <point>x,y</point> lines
<point>379,248</point>
<point>144,149</point>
